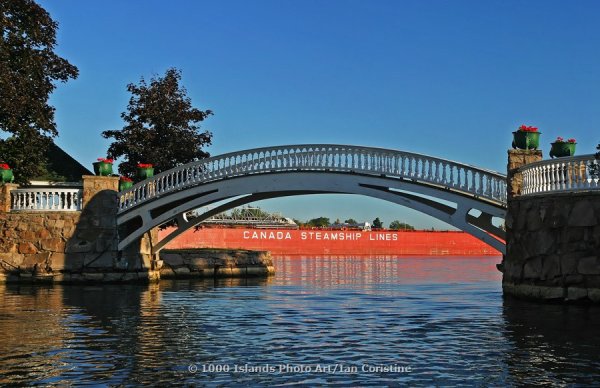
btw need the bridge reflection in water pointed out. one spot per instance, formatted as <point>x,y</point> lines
<point>444,317</point>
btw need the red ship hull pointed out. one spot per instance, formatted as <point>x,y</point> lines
<point>334,242</point>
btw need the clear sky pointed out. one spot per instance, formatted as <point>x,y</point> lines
<point>446,78</point>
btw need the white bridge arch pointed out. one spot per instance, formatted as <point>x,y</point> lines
<point>470,196</point>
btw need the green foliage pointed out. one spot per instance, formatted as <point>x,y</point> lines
<point>397,225</point>
<point>29,68</point>
<point>594,167</point>
<point>377,224</point>
<point>321,222</point>
<point>298,222</point>
<point>161,126</point>
<point>253,212</point>
<point>351,221</point>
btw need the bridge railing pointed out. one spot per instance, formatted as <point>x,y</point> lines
<point>46,199</point>
<point>573,173</point>
<point>468,179</point>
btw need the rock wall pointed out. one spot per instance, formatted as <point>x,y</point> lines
<point>204,263</point>
<point>553,241</point>
<point>71,246</point>
<point>553,251</point>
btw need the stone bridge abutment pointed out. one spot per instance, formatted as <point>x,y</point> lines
<point>71,245</point>
<point>553,229</point>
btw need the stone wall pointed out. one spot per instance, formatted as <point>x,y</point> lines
<point>201,263</point>
<point>71,246</point>
<point>554,247</point>
<point>552,241</point>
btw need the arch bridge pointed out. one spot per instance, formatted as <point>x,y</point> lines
<point>461,195</point>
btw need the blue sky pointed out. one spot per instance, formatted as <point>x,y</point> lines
<point>446,78</point>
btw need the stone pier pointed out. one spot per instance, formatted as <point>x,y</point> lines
<point>553,241</point>
<point>215,263</point>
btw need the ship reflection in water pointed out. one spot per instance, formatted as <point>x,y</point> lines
<point>443,318</point>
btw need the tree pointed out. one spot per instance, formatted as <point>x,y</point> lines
<point>397,225</point>
<point>320,222</point>
<point>377,224</point>
<point>29,68</point>
<point>161,126</point>
<point>249,212</point>
<point>351,221</point>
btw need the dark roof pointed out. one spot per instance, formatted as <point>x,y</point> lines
<point>62,167</point>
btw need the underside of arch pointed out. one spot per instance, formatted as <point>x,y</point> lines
<point>242,190</point>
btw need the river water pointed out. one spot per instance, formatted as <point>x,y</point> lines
<point>338,321</point>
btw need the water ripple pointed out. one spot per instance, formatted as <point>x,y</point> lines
<point>445,319</point>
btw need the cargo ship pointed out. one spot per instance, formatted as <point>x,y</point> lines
<point>282,237</point>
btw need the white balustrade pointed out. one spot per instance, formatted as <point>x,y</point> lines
<point>46,199</point>
<point>470,180</point>
<point>561,174</point>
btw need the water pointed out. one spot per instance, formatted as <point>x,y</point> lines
<point>429,321</point>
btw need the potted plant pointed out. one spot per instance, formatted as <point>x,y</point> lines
<point>145,171</point>
<point>125,183</point>
<point>561,148</point>
<point>103,167</point>
<point>6,173</point>
<point>526,138</point>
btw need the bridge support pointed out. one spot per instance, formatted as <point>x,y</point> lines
<point>553,241</point>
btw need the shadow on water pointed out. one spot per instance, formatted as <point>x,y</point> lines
<point>105,334</point>
<point>551,343</point>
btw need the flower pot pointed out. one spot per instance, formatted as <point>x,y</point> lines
<point>145,172</point>
<point>6,176</point>
<point>526,140</point>
<point>561,149</point>
<point>124,185</point>
<point>103,168</point>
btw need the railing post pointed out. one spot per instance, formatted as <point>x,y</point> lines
<point>92,185</point>
<point>5,198</point>
<point>516,159</point>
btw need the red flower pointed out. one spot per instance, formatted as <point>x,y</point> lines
<point>106,160</point>
<point>4,166</point>
<point>572,140</point>
<point>125,179</point>
<point>559,140</point>
<point>525,128</point>
<point>145,165</point>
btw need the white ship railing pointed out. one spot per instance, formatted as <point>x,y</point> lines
<point>470,180</point>
<point>561,174</point>
<point>46,199</point>
<point>249,216</point>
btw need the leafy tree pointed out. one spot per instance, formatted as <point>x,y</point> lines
<point>249,212</point>
<point>320,222</point>
<point>377,224</point>
<point>397,225</point>
<point>29,68</point>
<point>351,221</point>
<point>161,126</point>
